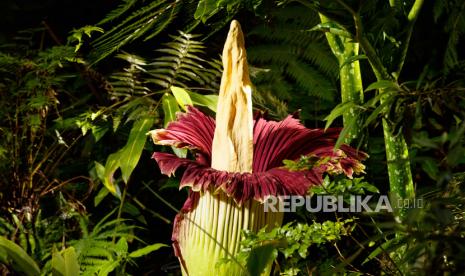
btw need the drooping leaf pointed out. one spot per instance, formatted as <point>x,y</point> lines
<point>111,166</point>
<point>146,250</point>
<point>132,151</point>
<point>20,260</point>
<point>182,96</point>
<point>170,108</point>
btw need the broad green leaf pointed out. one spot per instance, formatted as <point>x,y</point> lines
<point>146,250</point>
<point>111,166</point>
<point>209,101</point>
<point>260,258</point>
<point>65,263</point>
<point>182,97</point>
<point>339,110</point>
<point>21,261</point>
<point>127,157</point>
<point>132,151</point>
<point>3,256</point>
<point>170,107</point>
<point>100,170</point>
<point>382,84</point>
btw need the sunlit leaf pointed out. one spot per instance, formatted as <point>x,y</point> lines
<point>111,166</point>
<point>65,263</point>
<point>133,149</point>
<point>209,101</point>
<point>21,261</point>
<point>170,107</point>
<point>182,97</point>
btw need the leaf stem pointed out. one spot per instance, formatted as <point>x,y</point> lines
<point>120,210</point>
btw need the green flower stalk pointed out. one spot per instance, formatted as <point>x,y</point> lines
<point>238,163</point>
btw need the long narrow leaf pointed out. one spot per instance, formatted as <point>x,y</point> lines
<point>21,261</point>
<point>146,250</point>
<point>170,108</point>
<point>133,149</point>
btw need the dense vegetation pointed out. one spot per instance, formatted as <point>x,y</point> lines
<point>82,84</point>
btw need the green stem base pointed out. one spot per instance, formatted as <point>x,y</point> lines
<point>212,232</point>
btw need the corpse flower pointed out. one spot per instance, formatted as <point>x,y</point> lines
<point>238,163</point>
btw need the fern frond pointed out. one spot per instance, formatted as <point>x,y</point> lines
<point>153,18</point>
<point>266,101</point>
<point>311,81</point>
<point>316,53</point>
<point>181,64</point>
<point>97,248</point>
<point>293,55</point>
<point>128,82</point>
<point>119,11</point>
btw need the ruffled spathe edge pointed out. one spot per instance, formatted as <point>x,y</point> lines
<point>240,186</point>
<point>273,141</point>
<point>243,186</point>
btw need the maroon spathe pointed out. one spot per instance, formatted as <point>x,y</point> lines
<point>273,143</point>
